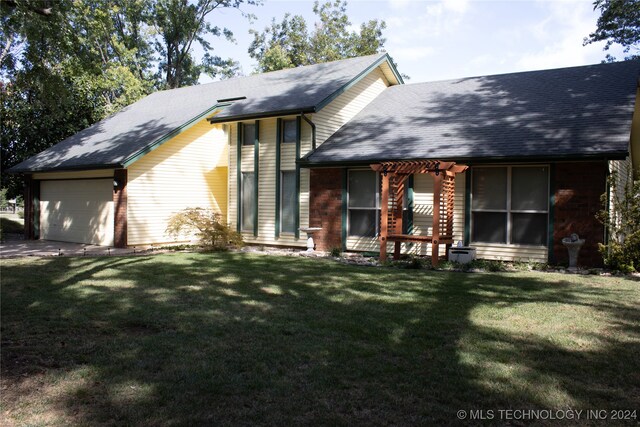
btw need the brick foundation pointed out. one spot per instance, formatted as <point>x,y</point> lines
<point>325,207</point>
<point>120,209</point>
<point>578,188</point>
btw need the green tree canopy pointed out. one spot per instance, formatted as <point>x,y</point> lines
<point>66,64</point>
<point>619,23</point>
<point>290,43</point>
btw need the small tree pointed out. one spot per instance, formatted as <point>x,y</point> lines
<point>207,226</point>
<point>622,221</point>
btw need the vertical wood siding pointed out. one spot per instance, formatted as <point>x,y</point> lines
<point>187,171</point>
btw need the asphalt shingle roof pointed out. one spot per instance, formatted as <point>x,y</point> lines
<point>570,112</point>
<point>114,140</point>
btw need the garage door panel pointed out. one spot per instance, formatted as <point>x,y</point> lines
<point>77,211</point>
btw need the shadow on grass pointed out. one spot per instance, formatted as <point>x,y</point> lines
<point>235,338</point>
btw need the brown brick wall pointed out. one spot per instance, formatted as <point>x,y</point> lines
<point>120,209</point>
<point>325,207</point>
<point>31,191</point>
<point>578,188</point>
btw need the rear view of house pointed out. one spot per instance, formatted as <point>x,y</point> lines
<point>302,147</point>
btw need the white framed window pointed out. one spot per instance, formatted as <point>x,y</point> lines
<point>247,208</point>
<point>510,204</point>
<point>289,131</point>
<point>287,201</point>
<point>363,203</point>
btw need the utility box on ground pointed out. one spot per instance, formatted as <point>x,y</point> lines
<point>462,254</point>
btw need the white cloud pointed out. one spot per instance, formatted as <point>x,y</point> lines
<point>560,36</point>
<point>459,6</point>
<point>398,4</point>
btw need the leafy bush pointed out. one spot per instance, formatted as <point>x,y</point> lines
<point>622,221</point>
<point>3,198</point>
<point>486,265</point>
<point>335,252</point>
<point>207,226</point>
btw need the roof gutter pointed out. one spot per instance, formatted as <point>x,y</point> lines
<point>15,171</point>
<point>305,163</point>
<point>313,131</point>
<point>255,116</point>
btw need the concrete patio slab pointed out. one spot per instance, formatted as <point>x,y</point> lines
<point>23,248</point>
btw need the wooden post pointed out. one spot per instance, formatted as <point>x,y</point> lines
<point>435,245</point>
<point>397,213</point>
<point>384,216</point>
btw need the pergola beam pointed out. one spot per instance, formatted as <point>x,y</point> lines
<point>394,175</point>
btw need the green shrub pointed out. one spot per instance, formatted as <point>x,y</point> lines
<point>486,265</point>
<point>3,198</point>
<point>335,251</point>
<point>622,221</point>
<point>207,226</point>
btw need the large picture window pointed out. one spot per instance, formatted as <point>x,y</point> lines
<point>363,203</point>
<point>510,204</point>
<point>288,201</point>
<point>248,201</point>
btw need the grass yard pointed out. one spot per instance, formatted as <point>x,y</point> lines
<point>227,339</point>
<point>11,223</point>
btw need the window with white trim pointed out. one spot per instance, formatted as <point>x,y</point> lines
<point>510,204</point>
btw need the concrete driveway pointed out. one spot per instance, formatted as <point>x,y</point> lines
<point>22,248</point>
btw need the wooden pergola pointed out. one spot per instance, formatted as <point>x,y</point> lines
<point>394,177</point>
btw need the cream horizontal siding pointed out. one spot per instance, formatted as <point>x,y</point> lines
<point>422,218</point>
<point>184,172</point>
<point>267,182</point>
<point>232,188</point>
<point>503,252</point>
<point>342,109</point>
<point>96,173</point>
<point>623,172</point>
<point>327,121</point>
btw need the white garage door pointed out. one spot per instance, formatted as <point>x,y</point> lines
<point>78,211</point>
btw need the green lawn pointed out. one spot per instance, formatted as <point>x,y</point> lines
<point>227,339</point>
<point>11,223</point>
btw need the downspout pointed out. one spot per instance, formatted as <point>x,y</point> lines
<point>313,131</point>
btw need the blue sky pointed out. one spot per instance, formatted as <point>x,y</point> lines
<point>443,39</point>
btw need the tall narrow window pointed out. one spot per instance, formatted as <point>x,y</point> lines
<point>510,204</point>
<point>248,201</point>
<point>489,205</point>
<point>248,134</point>
<point>529,205</point>
<point>363,203</point>
<point>288,201</point>
<point>289,131</point>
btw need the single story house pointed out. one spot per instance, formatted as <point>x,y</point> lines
<point>280,151</point>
